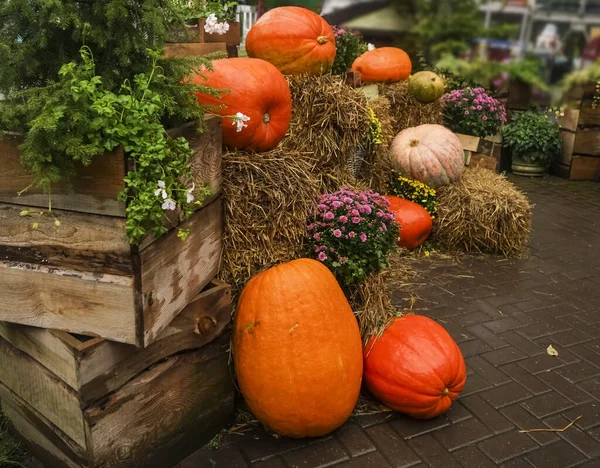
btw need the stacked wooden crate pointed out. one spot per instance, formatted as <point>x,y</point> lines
<point>580,133</point>
<point>482,152</point>
<point>196,42</point>
<point>110,354</point>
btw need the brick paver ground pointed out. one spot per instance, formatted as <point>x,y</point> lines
<point>503,314</point>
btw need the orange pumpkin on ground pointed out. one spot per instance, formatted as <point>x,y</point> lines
<point>384,65</point>
<point>429,153</point>
<point>415,367</point>
<point>414,220</point>
<point>297,350</point>
<point>256,89</point>
<point>294,39</point>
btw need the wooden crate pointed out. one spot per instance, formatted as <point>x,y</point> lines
<point>482,152</point>
<point>93,403</point>
<point>190,49</point>
<point>84,276</point>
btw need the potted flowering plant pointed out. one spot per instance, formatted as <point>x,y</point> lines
<point>476,118</point>
<point>349,46</point>
<point>352,233</point>
<point>533,140</point>
<point>204,21</point>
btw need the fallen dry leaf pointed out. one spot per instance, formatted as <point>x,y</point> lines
<point>551,351</point>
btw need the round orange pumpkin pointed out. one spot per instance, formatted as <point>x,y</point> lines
<point>294,39</point>
<point>256,89</point>
<point>415,367</point>
<point>297,350</point>
<point>429,153</point>
<point>414,221</point>
<point>384,65</point>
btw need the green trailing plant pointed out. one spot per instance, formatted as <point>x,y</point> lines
<point>349,46</point>
<point>532,137</point>
<point>414,191</point>
<point>76,118</point>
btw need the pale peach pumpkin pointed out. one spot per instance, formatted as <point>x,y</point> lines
<point>429,153</point>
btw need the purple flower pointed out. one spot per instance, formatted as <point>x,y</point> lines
<point>355,212</point>
<point>466,112</point>
<point>317,237</point>
<point>363,237</point>
<point>329,215</point>
<point>322,207</point>
<point>356,220</point>
<point>336,204</point>
<point>479,107</point>
<point>485,117</point>
<point>322,257</point>
<point>343,219</point>
<point>337,233</point>
<point>343,260</point>
<point>351,234</point>
<point>383,226</point>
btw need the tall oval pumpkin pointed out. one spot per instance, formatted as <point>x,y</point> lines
<point>383,65</point>
<point>297,350</point>
<point>294,39</point>
<point>415,367</point>
<point>256,89</point>
<point>429,153</point>
<point>414,221</point>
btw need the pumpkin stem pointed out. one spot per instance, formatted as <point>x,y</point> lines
<point>413,143</point>
<point>322,39</point>
<point>266,117</point>
<point>445,391</point>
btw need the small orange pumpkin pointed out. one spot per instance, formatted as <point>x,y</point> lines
<point>297,349</point>
<point>256,89</point>
<point>384,65</point>
<point>415,367</point>
<point>414,221</point>
<point>294,39</point>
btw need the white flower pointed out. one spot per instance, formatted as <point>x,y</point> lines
<point>161,189</point>
<point>169,205</point>
<point>239,120</point>
<point>212,26</point>
<point>371,46</point>
<point>190,198</point>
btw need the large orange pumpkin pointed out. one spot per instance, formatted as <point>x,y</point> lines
<point>415,367</point>
<point>384,65</point>
<point>297,350</point>
<point>294,39</point>
<point>429,153</point>
<point>414,221</point>
<point>256,89</point>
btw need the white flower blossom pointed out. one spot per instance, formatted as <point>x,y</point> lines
<point>212,25</point>
<point>371,46</point>
<point>169,205</point>
<point>239,120</point>
<point>190,197</point>
<point>161,189</point>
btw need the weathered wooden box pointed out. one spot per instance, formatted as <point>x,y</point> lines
<point>83,276</point>
<point>93,403</point>
<point>482,152</point>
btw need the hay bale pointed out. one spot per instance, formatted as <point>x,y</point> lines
<point>330,120</point>
<point>483,213</point>
<point>268,199</point>
<point>406,111</point>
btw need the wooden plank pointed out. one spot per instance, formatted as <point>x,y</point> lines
<point>49,444</point>
<point>42,390</point>
<point>569,120</point>
<point>483,160</point>
<point>497,151</point>
<point>78,302</point>
<point>568,141</point>
<point>353,79</point>
<point>50,348</point>
<point>166,412</point>
<point>173,271</point>
<point>589,116</point>
<point>82,242</point>
<point>587,142</point>
<point>585,168</point>
<point>560,170</point>
<point>469,142</point>
<point>486,146</point>
<point>96,185</point>
<point>192,49</point>
<point>105,366</point>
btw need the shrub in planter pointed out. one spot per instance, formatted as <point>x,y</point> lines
<point>353,233</point>
<point>349,46</point>
<point>472,112</point>
<point>534,140</point>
